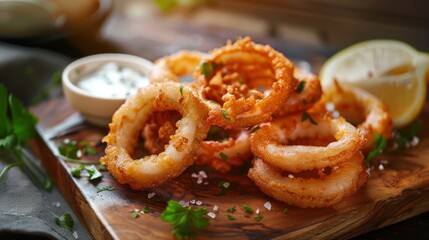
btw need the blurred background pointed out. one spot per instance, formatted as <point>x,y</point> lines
<point>153,28</point>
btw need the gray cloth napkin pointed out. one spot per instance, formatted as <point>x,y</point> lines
<point>27,212</point>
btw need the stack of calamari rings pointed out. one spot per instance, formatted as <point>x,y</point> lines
<point>246,101</point>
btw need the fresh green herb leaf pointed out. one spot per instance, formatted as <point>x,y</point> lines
<point>247,209</point>
<point>304,101</point>
<point>306,116</point>
<point>105,188</point>
<point>77,170</point>
<point>87,149</point>
<point>135,214</point>
<point>258,218</point>
<point>93,172</point>
<point>65,221</point>
<point>223,156</point>
<point>185,221</point>
<point>225,114</point>
<point>254,129</point>
<point>224,185</point>
<point>181,90</point>
<point>231,218</point>
<point>145,209</point>
<point>207,69</point>
<point>300,87</point>
<point>231,210</point>
<point>404,136</point>
<point>380,144</point>
<point>23,122</point>
<point>48,184</point>
<point>69,149</point>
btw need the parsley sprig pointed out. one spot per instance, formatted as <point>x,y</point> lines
<point>185,221</point>
<point>17,125</point>
<point>92,171</point>
<point>65,221</point>
<point>380,144</point>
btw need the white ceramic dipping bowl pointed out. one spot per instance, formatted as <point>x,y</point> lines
<point>97,110</point>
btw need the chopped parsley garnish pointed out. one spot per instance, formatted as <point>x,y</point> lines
<point>254,129</point>
<point>145,209</point>
<point>231,210</point>
<point>225,114</point>
<point>247,209</point>
<point>65,221</point>
<point>405,135</point>
<point>87,149</point>
<point>300,87</point>
<point>69,149</point>
<point>231,218</point>
<point>135,214</point>
<point>17,125</point>
<point>181,90</point>
<point>224,185</point>
<point>92,171</point>
<point>207,69</point>
<point>223,156</point>
<point>106,188</point>
<point>185,221</point>
<point>380,144</point>
<point>258,218</point>
<point>306,116</point>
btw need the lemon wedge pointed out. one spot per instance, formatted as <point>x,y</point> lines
<point>391,70</point>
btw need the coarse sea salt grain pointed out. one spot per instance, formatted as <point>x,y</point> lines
<point>212,215</point>
<point>202,174</point>
<point>150,195</point>
<point>192,201</point>
<point>335,114</point>
<point>200,180</point>
<point>381,167</point>
<point>75,235</point>
<point>198,202</point>
<point>257,211</point>
<point>79,153</point>
<point>194,175</point>
<point>290,176</point>
<point>206,183</point>
<point>330,107</point>
<point>267,205</point>
<point>215,208</point>
<point>226,184</point>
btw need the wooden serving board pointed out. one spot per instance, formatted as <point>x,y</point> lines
<point>398,192</point>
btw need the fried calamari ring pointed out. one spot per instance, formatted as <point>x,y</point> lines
<point>361,108</point>
<point>222,155</point>
<point>172,67</point>
<point>128,121</point>
<point>305,95</point>
<point>270,143</point>
<point>327,190</point>
<point>247,81</point>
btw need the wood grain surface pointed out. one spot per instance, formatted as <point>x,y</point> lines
<point>398,192</point>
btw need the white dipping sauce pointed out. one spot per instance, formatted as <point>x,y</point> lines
<point>114,81</point>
